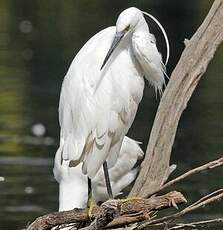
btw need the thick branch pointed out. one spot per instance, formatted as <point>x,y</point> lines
<point>120,210</point>
<point>50,220</point>
<point>192,65</point>
<point>107,212</point>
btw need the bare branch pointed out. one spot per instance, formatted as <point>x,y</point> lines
<point>199,204</point>
<point>128,219</point>
<point>50,220</point>
<point>199,51</point>
<point>207,197</point>
<point>109,210</point>
<point>194,225</point>
<point>210,165</point>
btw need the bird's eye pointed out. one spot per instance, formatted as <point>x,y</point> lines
<point>127,28</point>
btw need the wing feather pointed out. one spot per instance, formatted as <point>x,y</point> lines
<point>94,123</point>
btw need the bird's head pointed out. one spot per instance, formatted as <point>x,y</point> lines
<point>127,21</point>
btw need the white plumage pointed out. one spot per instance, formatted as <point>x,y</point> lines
<point>97,107</point>
<point>73,185</point>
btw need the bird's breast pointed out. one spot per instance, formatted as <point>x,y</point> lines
<point>126,75</point>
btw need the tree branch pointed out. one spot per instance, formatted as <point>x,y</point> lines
<point>194,225</point>
<point>192,65</point>
<point>109,210</point>
<point>198,204</point>
<point>210,165</point>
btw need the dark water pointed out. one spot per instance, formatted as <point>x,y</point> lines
<point>38,40</point>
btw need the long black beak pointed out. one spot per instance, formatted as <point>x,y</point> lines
<point>116,40</point>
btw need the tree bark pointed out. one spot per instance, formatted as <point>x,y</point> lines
<point>108,210</point>
<point>192,65</point>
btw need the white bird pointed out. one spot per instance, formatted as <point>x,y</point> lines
<point>101,93</point>
<point>73,185</point>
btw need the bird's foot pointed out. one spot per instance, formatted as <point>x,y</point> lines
<point>91,204</point>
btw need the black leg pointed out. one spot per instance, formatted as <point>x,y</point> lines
<point>89,188</point>
<point>90,202</point>
<point>107,180</point>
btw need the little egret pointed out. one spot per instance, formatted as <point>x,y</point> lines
<point>73,184</point>
<point>102,90</point>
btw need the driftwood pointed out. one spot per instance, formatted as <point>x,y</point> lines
<point>213,197</point>
<point>192,65</point>
<point>120,208</point>
<point>118,213</point>
<point>155,169</point>
<point>112,215</point>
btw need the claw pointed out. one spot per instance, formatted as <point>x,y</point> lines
<point>173,203</point>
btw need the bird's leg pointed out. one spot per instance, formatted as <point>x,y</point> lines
<point>90,203</point>
<point>107,180</point>
<point>89,187</point>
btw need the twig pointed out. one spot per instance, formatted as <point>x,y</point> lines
<point>194,206</point>
<point>194,225</point>
<point>210,165</point>
<point>207,197</point>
